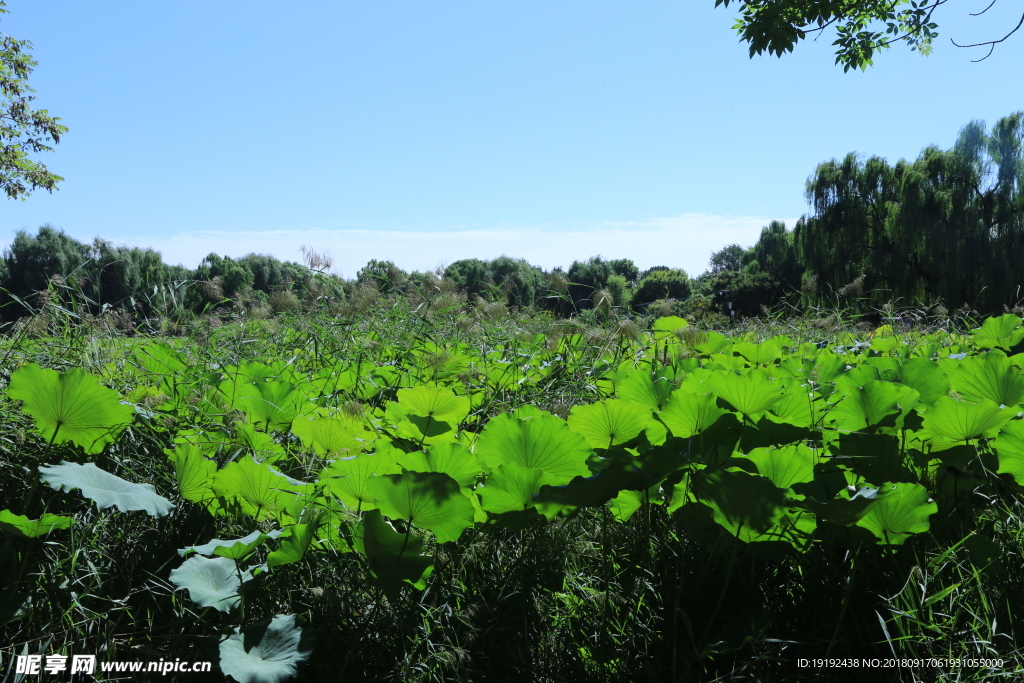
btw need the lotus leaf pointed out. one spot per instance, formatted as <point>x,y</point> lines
<point>786,466</point>
<point>439,403</point>
<point>210,582</point>
<point>296,540</point>
<point>902,509</point>
<point>194,472</point>
<point>651,389</point>
<point>256,488</point>
<point>105,489</point>
<point>511,487</point>
<point>448,458</point>
<point>336,436</point>
<point>989,376</point>
<point>19,525</point>
<point>346,477</point>
<point>1009,446</point>
<point>233,549</point>
<point>960,421</point>
<point>429,500</point>
<point>867,405</point>
<point>925,377</point>
<point>266,652</point>
<point>608,423</point>
<point>395,559</point>
<point>688,414</point>
<point>70,406</point>
<point>749,394</point>
<point>543,441</point>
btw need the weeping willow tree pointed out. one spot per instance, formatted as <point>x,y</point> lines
<point>948,226</point>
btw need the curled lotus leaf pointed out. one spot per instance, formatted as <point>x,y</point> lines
<point>105,489</point>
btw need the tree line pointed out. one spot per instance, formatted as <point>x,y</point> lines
<point>945,228</point>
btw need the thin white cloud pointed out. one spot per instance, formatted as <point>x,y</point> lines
<point>684,241</point>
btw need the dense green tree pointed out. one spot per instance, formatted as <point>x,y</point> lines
<point>775,253</point>
<point>662,284</point>
<point>23,130</point>
<point>864,27</point>
<point>469,275</point>
<point>946,226</point>
<point>517,280</point>
<point>748,292</point>
<point>729,257</point>
<point>384,274</point>
<point>32,260</point>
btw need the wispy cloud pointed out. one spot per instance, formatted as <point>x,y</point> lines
<point>683,241</point>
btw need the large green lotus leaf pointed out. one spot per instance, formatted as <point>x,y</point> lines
<point>1004,332</point>
<point>902,509</point>
<point>746,505</point>
<point>791,464</point>
<point>749,394</point>
<point>888,367</point>
<point>233,548</point>
<point>651,389</point>
<point>511,487</point>
<point>926,377</point>
<point>210,582</point>
<point>857,377</point>
<point>712,343</point>
<point>1009,447</point>
<point>543,441</point>
<point>297,538</point>
<point>765,353</point>
<point>395,559</point>
<point>418,429</point>
<point>429,500</point>
<point>688,414</point>
<point>448,458</point>
<point>271,404</point>
<point>70,406</point>
<point>669,323</point>
<point>256,488</point>
<point>105,488</point>
<point>194,472</point>
<point>865,406</point>
<point>796,407</point>
<point>261,445</point>
<point>628,502</point>
<point>19,525</point>
<point>161,359</point>
<point>989,376</point>
<point>960,421</point>
<point>331,436</point>
<point>439,403</point>
<point>266,652</point>
<point>346,477</point>
<point>609,422</point>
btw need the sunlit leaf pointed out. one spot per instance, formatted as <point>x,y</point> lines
<point>70,406</point>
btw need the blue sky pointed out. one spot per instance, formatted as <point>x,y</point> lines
<point>429,132</point>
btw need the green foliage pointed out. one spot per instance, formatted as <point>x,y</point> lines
<point>933,229</point>
<point>70,406</point>
<point>863,28</point>
<point>662,284</point>
<point>382,490</point>
<point>24,130</point>
<point>20,525</point>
